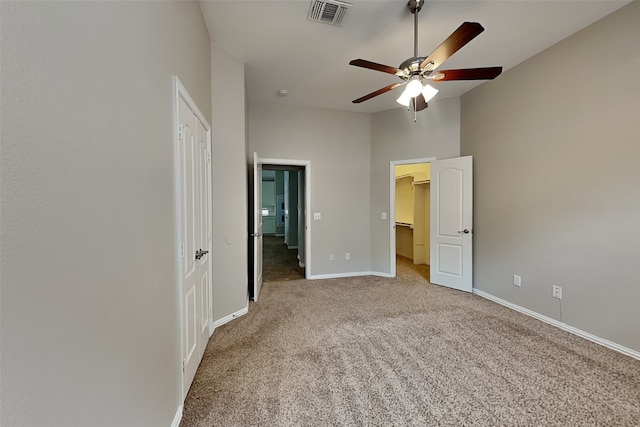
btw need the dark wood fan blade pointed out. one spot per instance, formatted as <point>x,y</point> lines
<point>374,66</point>
<point>418,103</point>
<point>467,74</point>
<point>378,92</point>
<point>460,37</point>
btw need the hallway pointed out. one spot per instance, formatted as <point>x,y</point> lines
<point>279,262</point>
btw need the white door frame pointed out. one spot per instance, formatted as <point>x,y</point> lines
<point>181,92</point>
<point>392,206</point>
<point>307,204</point>
<point>258,226</point>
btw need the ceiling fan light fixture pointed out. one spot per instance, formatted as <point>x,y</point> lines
<point>414,87</point>
<point>404,99</point>
<point>429,92</point>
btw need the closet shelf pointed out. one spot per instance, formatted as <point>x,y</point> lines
<point>404,224</point>
<point>422,182</point>
<point>407,175</point>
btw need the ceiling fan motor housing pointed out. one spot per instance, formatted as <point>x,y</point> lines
<point>411,66</point>
<point>415,5</point>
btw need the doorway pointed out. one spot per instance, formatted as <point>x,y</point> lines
<point>410,216</point>
<point>295,225</point>
<point>282,190</point>
<point>450,240</point>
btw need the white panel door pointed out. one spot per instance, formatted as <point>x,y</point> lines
<point>257,226</point>
<point>189,233</point>
<point>195,238</point>
<point>451,223</point>
<point>203,175</point>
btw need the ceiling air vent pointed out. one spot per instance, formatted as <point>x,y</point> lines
<point>329,12</point>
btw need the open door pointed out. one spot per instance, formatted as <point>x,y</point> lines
<point>451,223</point>
<point>257,226</point>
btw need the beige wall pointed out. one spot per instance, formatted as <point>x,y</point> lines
<point>404,200</point>
<point>420,171</point>
<point>395,136</point>
<point>337,144</point>
<point>229,185</point>
<point>88,273</point>
<point>555,145</point>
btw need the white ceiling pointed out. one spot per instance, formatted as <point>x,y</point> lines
<point>283,50</point>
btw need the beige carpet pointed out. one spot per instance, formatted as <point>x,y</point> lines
<point>401,352</point>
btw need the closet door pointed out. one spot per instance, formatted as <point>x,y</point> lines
<point>190,240</point>
<point>203,176</point>
<point>194,188</point>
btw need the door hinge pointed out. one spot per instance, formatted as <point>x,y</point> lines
<point>180,135</point>
<point>182,250</point>
<point>184,366</point>
<point>208,157</point>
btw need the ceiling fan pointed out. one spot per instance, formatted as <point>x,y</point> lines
<point>415,70</point>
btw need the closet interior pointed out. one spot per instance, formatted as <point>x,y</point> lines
<point>412,211</point>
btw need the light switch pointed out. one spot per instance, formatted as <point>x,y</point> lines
<point>384,215</point>
<point>317,215</point>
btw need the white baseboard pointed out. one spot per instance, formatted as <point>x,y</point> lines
<point>177,417</point>
<point>379,274</point>
<point>579,332</point>
<point>350,274</point>
<point>230,317</point>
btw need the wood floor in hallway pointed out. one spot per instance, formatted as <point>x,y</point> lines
<point>279,262</point>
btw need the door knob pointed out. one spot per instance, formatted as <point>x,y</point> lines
<point>200,253</point>
<point>465,231</point>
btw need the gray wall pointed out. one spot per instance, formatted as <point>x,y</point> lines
<point>337,144</point>
<point>88,271</point>
<point>395,136</point>
<point>229,185</point>
<point>555,143</point>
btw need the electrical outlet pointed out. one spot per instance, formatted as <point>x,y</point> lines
<point>517,280</point>
<point>347,256</point>
<point>330,257</point>
<point>384,215</point>
<point>556,291</point>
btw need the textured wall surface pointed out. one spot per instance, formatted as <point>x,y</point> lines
<point>229,185</point>
<point>337,144</point>
<point>556,180</point>
<point>88,270</point>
